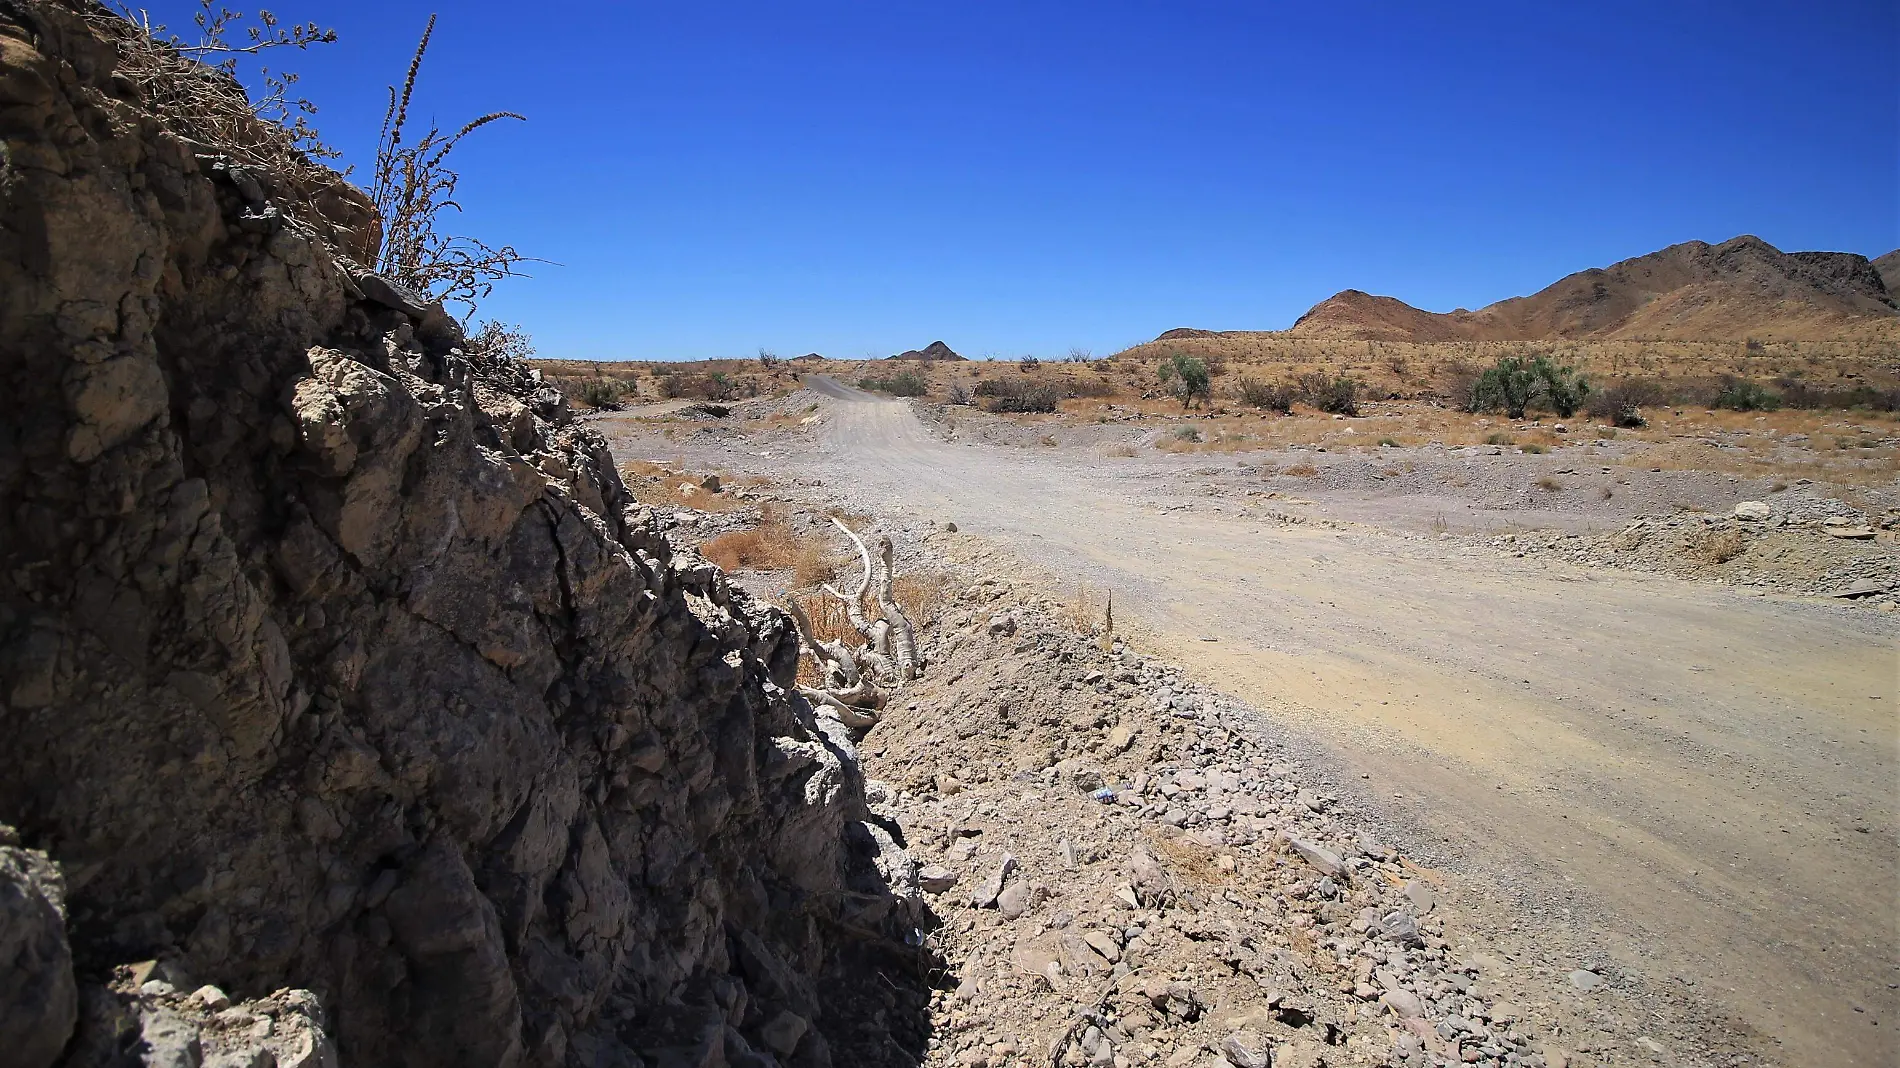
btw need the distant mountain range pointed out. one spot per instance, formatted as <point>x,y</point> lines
<point>1695,291</point>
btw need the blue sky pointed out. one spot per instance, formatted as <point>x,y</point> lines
<point>1027,177</point>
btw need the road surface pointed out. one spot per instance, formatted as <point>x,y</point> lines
<point>1706,779</point>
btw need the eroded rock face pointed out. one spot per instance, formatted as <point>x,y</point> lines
<point>333,658</point>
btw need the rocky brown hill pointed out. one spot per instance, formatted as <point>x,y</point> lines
<point>337,661</point>
<point>1741,288</point>
<point>936,350</point>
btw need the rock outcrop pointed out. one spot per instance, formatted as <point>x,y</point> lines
<point>334,657</point>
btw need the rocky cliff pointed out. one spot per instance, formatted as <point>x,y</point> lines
<point>333,656</point>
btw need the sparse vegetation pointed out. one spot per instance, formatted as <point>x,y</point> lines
<point>901,384</point>
<point>1015,395</point>
<point>774,546</point>
<point>1549,485</point>
<point>192,87</point>
<point>1336,395</point>
<point>1743,395</point>
<point>1268,396</point>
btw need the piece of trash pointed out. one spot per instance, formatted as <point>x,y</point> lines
<point>1104,795</point>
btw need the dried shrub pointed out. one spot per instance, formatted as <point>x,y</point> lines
<point>773,546</point>
<point>1622,403</point>
<point>1300,470</point>
<point>901,384</point>
<point>921,594</point>
<point>413,187</point>
<point>1013,395</point>
<point>1337,395</point>
<point>1269,396</point>
<point>192,88</point>
<point>1717,546</point>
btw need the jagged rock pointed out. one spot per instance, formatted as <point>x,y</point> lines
<point>337,655</point>
<point>38,998</point>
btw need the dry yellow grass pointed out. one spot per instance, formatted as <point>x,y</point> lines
<point>773,546</point>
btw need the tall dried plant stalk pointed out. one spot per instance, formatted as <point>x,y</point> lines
<point>413,187</point>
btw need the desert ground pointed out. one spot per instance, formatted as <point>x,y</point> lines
<point>1677,766</point>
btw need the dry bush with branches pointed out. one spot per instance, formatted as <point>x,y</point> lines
<point>192,87</point>
<point>413,187</point>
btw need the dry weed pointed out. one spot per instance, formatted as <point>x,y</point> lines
<point>1190,861</point>
<point>773,546</point>
<point>1718,546</point>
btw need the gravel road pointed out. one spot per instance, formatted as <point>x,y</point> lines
<point>1701,782</point>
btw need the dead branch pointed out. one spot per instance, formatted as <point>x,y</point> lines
<point>850,678</point>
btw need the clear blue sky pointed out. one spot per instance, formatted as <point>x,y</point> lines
<point>1024,177</point>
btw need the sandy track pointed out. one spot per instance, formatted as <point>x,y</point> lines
<point>1703,780</point>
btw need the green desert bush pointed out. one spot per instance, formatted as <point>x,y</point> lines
<point>1187,379</point>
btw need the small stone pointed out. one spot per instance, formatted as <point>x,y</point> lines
<point>1016,899</point>
<point>1753,511</point>
<point>211,998</point>
<point>1586,980</point>
<point>1104,943</point>
<point>935,878</point>
<point>1421,896</point>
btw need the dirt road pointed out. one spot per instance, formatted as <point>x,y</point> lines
<point>1702,779</point>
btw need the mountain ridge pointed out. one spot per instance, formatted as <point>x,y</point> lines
<point>1740,288</point>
